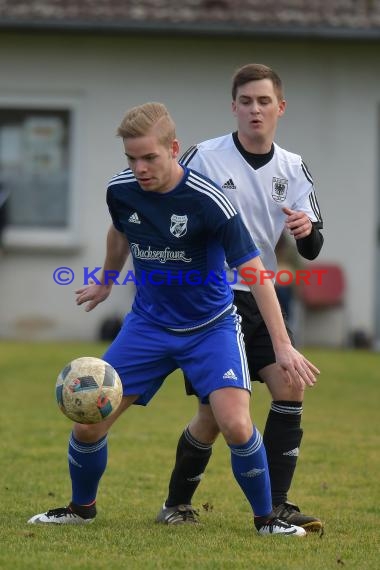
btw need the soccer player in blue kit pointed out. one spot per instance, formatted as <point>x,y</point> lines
<point>179,228</point>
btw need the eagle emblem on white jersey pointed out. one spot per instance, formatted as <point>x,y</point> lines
<point>178,225</point>
<point>279,189</point>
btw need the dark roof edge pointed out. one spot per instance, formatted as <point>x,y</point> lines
<point>200,29</point>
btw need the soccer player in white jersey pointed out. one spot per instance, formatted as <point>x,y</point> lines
<point>179,228</point>
<point>273,190</point>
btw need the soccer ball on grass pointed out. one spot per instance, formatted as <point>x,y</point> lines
<point>88,390</point>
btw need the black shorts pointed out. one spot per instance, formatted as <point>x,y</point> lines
<point>258,344</point>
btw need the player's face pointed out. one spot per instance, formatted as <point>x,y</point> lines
<point>153,163</point>
<point>257,109</point>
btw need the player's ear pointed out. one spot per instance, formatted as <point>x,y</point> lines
<point>175,148</point>
<point>233,106</point>
<point>281,107</point>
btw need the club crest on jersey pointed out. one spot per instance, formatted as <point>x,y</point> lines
<point>279,189</point>
<point>178,225</point>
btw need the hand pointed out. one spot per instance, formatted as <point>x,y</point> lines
<point>93,293</point>
<point>301,372</point>
<point>297,223</point>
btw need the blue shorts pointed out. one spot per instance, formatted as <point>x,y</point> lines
<point>144,354</point>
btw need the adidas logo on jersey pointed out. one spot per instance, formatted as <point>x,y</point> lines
<point>229,375</point>
<point>134,218</point>
<point>229,185</point>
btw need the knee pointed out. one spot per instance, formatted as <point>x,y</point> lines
<point>203,426</point>
<point>237,430</point>
<point>282,390</point>
<point>88,433</point>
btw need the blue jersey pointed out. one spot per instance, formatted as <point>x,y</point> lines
<point>179,241</point>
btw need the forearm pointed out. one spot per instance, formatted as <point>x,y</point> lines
<point>263,290</point>
<point>310,246</point>
<point>299,371</point>
<point>117,251</point>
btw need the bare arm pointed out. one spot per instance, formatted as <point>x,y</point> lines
<point>300,370</point>
<point>117,251</point>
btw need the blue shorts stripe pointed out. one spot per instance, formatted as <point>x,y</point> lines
<point>241,346</point>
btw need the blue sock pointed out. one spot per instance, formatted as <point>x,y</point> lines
<point>250,468</point>
<point>87,463</point>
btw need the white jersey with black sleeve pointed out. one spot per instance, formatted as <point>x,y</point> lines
<point>258,195</point>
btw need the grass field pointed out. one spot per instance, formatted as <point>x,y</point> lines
<point>337,476</point>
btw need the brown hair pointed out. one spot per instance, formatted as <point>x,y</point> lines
<point>255,72</point>
<point>140,120</point>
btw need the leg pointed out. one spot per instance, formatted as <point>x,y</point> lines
<point>248,458</point>
<point>203,426</point>
<point>282,439</point>
<point>195,444</point>
<point>283,433</point>
<point>87,457</point>
<point>142,373</point>
<point>193,454</point>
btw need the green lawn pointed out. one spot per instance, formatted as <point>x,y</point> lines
<point>337,476</point>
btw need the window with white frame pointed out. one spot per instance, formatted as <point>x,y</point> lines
<point>36,174</point>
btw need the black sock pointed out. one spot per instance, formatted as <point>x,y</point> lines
<point>84,511</point>
<point>261,521</point>
<point>191,461</point>
<point>282,439</point>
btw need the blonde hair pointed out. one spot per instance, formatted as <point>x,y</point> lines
<point>140,120</point>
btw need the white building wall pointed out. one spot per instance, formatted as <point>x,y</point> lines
<point>333,92</point>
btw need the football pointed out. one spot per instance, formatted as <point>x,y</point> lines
<point>88,390</point>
